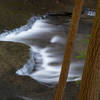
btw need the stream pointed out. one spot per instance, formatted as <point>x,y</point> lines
<point>46,37</point>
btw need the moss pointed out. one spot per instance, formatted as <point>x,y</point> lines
<point>78,82</point>
<point>82,54</point>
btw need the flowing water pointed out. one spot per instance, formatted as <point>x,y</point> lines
<point>46,38</point>
<point>47,42</point>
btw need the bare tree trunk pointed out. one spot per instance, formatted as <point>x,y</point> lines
<point>69,47</point>
<point>90,85</point>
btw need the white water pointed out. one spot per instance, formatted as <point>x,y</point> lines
<point>47,42</point>
<point>91,12</point>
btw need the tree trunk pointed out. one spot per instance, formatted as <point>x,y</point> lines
<point>69,47</point>
<point>90,85</point>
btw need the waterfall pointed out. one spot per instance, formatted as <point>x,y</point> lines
<point>47,43</point>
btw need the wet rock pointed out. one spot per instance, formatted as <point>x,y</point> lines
<point>15,13</point>
<point>15,98</point>
<point>12,57</point>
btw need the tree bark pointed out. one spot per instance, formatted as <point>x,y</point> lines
<point>69,47</point>
<point>90,85</point>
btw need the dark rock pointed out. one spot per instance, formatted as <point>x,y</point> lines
<point>15,13</point>
<point>15,98</point>
<point>12,57</point>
